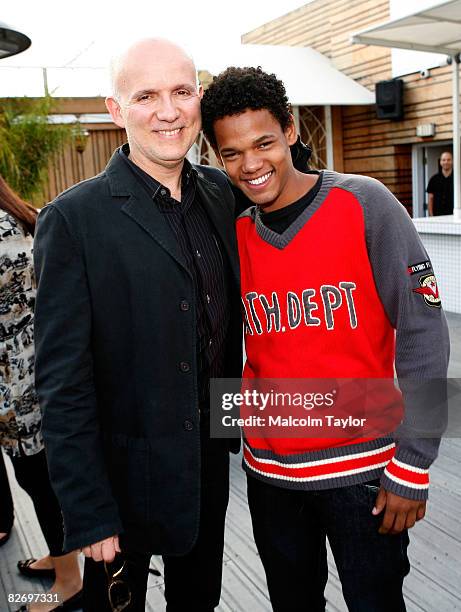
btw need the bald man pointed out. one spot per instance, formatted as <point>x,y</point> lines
<point>137,308</point>
<point>440,188</point>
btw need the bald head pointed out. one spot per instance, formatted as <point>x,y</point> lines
<point>156,99</point>
<point>446,163</point>
<point>158,53</point>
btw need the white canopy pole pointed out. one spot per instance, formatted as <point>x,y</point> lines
<point>456,141</point>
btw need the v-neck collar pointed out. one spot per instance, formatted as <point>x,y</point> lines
<point>280,241</point>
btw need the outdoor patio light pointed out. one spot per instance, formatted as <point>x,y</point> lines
<point>12,41</point>
<point>81,140</point>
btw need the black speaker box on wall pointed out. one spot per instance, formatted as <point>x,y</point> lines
<point>389,99</point>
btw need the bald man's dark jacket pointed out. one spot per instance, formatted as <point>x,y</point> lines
<point>116,369</point>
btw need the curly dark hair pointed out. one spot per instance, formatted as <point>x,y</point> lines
<point>237,89</point>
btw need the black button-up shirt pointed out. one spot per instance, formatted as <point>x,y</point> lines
<point>202,251</point>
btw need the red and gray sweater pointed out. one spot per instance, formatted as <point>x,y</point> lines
<point>353,263</point>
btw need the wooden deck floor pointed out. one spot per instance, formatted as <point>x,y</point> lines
<point>434,583</point>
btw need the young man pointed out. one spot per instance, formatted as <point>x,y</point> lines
<point>349,248</point>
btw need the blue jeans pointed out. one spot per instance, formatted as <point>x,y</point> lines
<point>290,529</point>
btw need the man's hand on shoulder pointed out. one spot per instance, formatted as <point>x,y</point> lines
<point>400,512</point>
<point>105,550</point>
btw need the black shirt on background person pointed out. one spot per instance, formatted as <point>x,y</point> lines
<point>440,188</point>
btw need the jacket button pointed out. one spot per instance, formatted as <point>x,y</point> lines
<point>184,366</point>
<point>188,425</point>
<point>184,305</point>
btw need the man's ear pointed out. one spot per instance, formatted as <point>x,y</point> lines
<point>290,131</point>
<point>114,109</point>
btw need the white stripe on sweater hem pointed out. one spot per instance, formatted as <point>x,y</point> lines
<point>406,483</point>
<point>410,468</point>
<point>368,468</point>
<point>317,462</point>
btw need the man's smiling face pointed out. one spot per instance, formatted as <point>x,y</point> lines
<point>255,152</point>
<point>158,103</point>
<point>446,162</point>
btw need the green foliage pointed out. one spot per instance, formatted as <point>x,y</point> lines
<point>28,142</point>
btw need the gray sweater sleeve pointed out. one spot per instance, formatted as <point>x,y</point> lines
<point>404,281</point>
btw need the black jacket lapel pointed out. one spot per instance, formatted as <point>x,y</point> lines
<point>146,214</point>
<point>141,208</point>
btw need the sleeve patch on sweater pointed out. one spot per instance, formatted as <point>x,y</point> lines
<point>419,267</point>
<point>429,290</point>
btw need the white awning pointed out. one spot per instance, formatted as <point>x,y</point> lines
<point>436,29</point>
<point>309,77</point>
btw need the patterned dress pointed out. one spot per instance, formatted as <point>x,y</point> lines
<point>19,410</point>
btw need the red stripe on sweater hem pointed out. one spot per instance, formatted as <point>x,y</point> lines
<point>407,474</point>
<point>331,469</point>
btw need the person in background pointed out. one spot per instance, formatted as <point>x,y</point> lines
<point>345,251</point>
<point>440,188</point>
<point>20,417</point>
